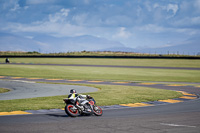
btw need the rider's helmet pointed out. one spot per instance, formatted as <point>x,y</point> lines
<point>72,91</point>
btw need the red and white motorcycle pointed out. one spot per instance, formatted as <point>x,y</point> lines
<point>82,106</point>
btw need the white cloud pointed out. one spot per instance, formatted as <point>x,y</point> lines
<point>156,5</point>
<point>122,33</point>
<point>196,20</point>
<point>80,18</point>
<point>147,4</point>
<point>169,8</point>
<point>10,5</point>
<point>172,7</point>
<point>152,28</point>
<point>29,37</point>
<point>118,20</point>
<point>56,24</point>
<point>34,2</point>
<point>59,16</point>
<point>16,7</point>
<point>86,1</point>
<point>53,28</point>
<point>65,12</point>
<point>121,20</point>
<point>138,11</point>
<point>187,31</point>
<point>197,3</point>
<point>187,22</point>
<point>26,7</point>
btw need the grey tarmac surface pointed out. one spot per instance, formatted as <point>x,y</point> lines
<point>21,89</point>
<point>172,118</point>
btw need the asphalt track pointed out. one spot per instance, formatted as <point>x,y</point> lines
<point>181,117</point>
<point>21,89</point>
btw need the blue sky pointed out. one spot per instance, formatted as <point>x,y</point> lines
<point>134,23</point>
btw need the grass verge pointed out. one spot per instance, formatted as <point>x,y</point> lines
<point>3,90</point>
<point>117,62</point>
<point>107,95</point>
<point>100,73</point>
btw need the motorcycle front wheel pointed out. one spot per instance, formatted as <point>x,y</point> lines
<point>71,110</point>
<point>97,110</point>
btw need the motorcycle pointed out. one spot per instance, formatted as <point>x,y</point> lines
<point>82,106</point>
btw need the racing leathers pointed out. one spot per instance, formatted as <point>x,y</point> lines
<point>73,96</point>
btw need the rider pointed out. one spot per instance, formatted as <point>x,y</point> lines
<point>7,60</point>
<point>73,94</point>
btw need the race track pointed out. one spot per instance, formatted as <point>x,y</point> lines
<point>21,89</point>
<point>177,118</point>
<point>180,117</point>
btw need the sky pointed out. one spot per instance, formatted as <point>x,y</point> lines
<point>134,23</point>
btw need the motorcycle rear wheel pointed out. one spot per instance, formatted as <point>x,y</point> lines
<point>70,111</point>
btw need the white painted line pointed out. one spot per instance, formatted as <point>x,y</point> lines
<point>23,81</point>
<point>176,125</point>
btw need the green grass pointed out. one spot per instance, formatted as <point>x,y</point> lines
<point>3,90</point>
<point>102,61</point>
<point>107,95</point>
<point>100,73</point>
